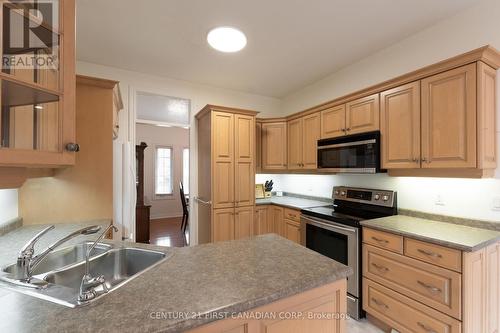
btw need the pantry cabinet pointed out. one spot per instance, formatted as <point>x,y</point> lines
<point>226,173</point>
<point>274,143</point>
<point>303,135</point>
<point>357,116</point>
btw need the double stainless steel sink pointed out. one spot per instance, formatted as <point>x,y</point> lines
<point>58,277</point>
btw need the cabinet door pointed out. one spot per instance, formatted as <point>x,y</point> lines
<point>492,293</point>
<point>295,144</point>
<point>292,231</point>
<point>362,115</point>
<point>277,220</point>
<point>274,146</point>
<point>222,225</point>
<point>333,122</point>
<point>258,147</point>
<point>261,221</point>
<point>244,160</point>
<point>449,119</point>
<point>400,127</point>
<point>243,223</point>
<point>311,126</point>
<point>222,160</point>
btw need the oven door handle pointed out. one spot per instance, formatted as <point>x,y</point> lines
<point>330,225</point>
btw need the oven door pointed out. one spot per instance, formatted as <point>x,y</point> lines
<point>356,154</point>
<point>337,241</point>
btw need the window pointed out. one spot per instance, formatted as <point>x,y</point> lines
<point>185,170</point>
<point>163,171</point>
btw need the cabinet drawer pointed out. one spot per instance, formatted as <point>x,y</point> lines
<point>384,240</point>
<point>403,313</point>
<point>436,287</point>
<point>292,214</point>
<point>434,254</point>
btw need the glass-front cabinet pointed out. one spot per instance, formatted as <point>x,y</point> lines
<point>37,82</point>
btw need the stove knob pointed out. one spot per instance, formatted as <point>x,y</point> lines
<point>337,192</point>
<point>342,193</point>
<point>385,197</point>
<point>377,196</point>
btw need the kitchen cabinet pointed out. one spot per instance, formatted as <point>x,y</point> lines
<point>329,299</point>
<point>226,173</point>
<point>362,115</point>
<point>276,223</point>
<point>333,122</point>
<point>400,126</point>
<point>274,143</point>
<point>261,224</point>
<point>258,146</point>
<point>37,117</point>
<point>443,122</point>
<point>303,135</point>
<point>357,116</point>
<point>292,231</point>
<point>449,119</point>
<point>415,285</point>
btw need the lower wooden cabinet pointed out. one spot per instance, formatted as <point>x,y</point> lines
<point>422,287</point>
<point>307,306</point>
<point>292,231</point>
<point>261,225</point>
<point>231,223</point>
<point>276,220</point>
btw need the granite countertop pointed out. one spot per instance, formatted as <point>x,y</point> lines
<point>460,237</point>
<point>293,202</point>
<point>207,279</point>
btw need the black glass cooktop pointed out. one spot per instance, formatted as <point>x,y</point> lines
<point>329,213</point>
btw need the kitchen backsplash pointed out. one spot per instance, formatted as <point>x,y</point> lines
<point>468,198</point>
<point>8,205</point>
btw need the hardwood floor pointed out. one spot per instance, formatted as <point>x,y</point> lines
<point>167,232</point>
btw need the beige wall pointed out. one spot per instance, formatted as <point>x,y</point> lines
<point>178,139</point>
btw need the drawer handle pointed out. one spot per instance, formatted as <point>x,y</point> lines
<point>425,328</point>
<point>379,303</point>
<point>430,254</point>
<point>432,289</point>
<point>382,241</point>
<point>380,268</point>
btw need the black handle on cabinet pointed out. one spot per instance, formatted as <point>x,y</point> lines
<point>73,147</point>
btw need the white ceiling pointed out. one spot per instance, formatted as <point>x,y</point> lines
<point>291,43</point>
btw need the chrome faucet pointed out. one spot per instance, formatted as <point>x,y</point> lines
<point>89,283</point>
<point>27,261</point>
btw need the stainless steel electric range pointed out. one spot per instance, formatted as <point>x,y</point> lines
<point>335,231</point>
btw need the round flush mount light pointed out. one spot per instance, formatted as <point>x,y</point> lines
<point>227,39</point>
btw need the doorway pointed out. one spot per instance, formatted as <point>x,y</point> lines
<point>163,171</point>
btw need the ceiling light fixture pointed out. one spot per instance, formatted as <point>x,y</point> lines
<point>227,39</point>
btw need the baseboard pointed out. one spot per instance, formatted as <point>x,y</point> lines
<point>164,217</point>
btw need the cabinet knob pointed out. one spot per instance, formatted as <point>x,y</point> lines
<point>347,129</point>
<point>73,147</point>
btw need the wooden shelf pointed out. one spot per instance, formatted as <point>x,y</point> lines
<point>14,94</point>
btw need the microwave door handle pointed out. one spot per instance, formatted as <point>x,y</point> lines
<point>348,144</point>
<point>330,226</point>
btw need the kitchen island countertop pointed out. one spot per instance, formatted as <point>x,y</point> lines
<point>223,277</point>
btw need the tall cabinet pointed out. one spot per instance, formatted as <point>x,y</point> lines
<point>226,173</point>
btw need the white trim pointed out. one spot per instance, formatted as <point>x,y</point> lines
<point>161,123</point>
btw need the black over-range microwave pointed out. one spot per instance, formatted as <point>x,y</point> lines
<point>357,153</point>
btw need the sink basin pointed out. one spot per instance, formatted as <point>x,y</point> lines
<point>64,257</point>
<point>116,266</point>
<point>58,280</point>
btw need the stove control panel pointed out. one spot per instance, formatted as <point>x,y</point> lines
<point>368,196</point>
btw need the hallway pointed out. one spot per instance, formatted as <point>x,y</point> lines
<point>167,232</point>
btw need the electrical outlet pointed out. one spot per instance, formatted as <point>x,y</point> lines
<point>439,200</point>
<point>496,204</point>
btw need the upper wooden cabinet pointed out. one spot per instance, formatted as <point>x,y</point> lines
<point>303,135</point>
<point>37,117</point>
<point>258,146</point>
<point>400,126</point>
<point>449,125</point>
<point>274,143</point>
<point>362,115</point>
<point>358,116</point>
<point>443,122</point>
